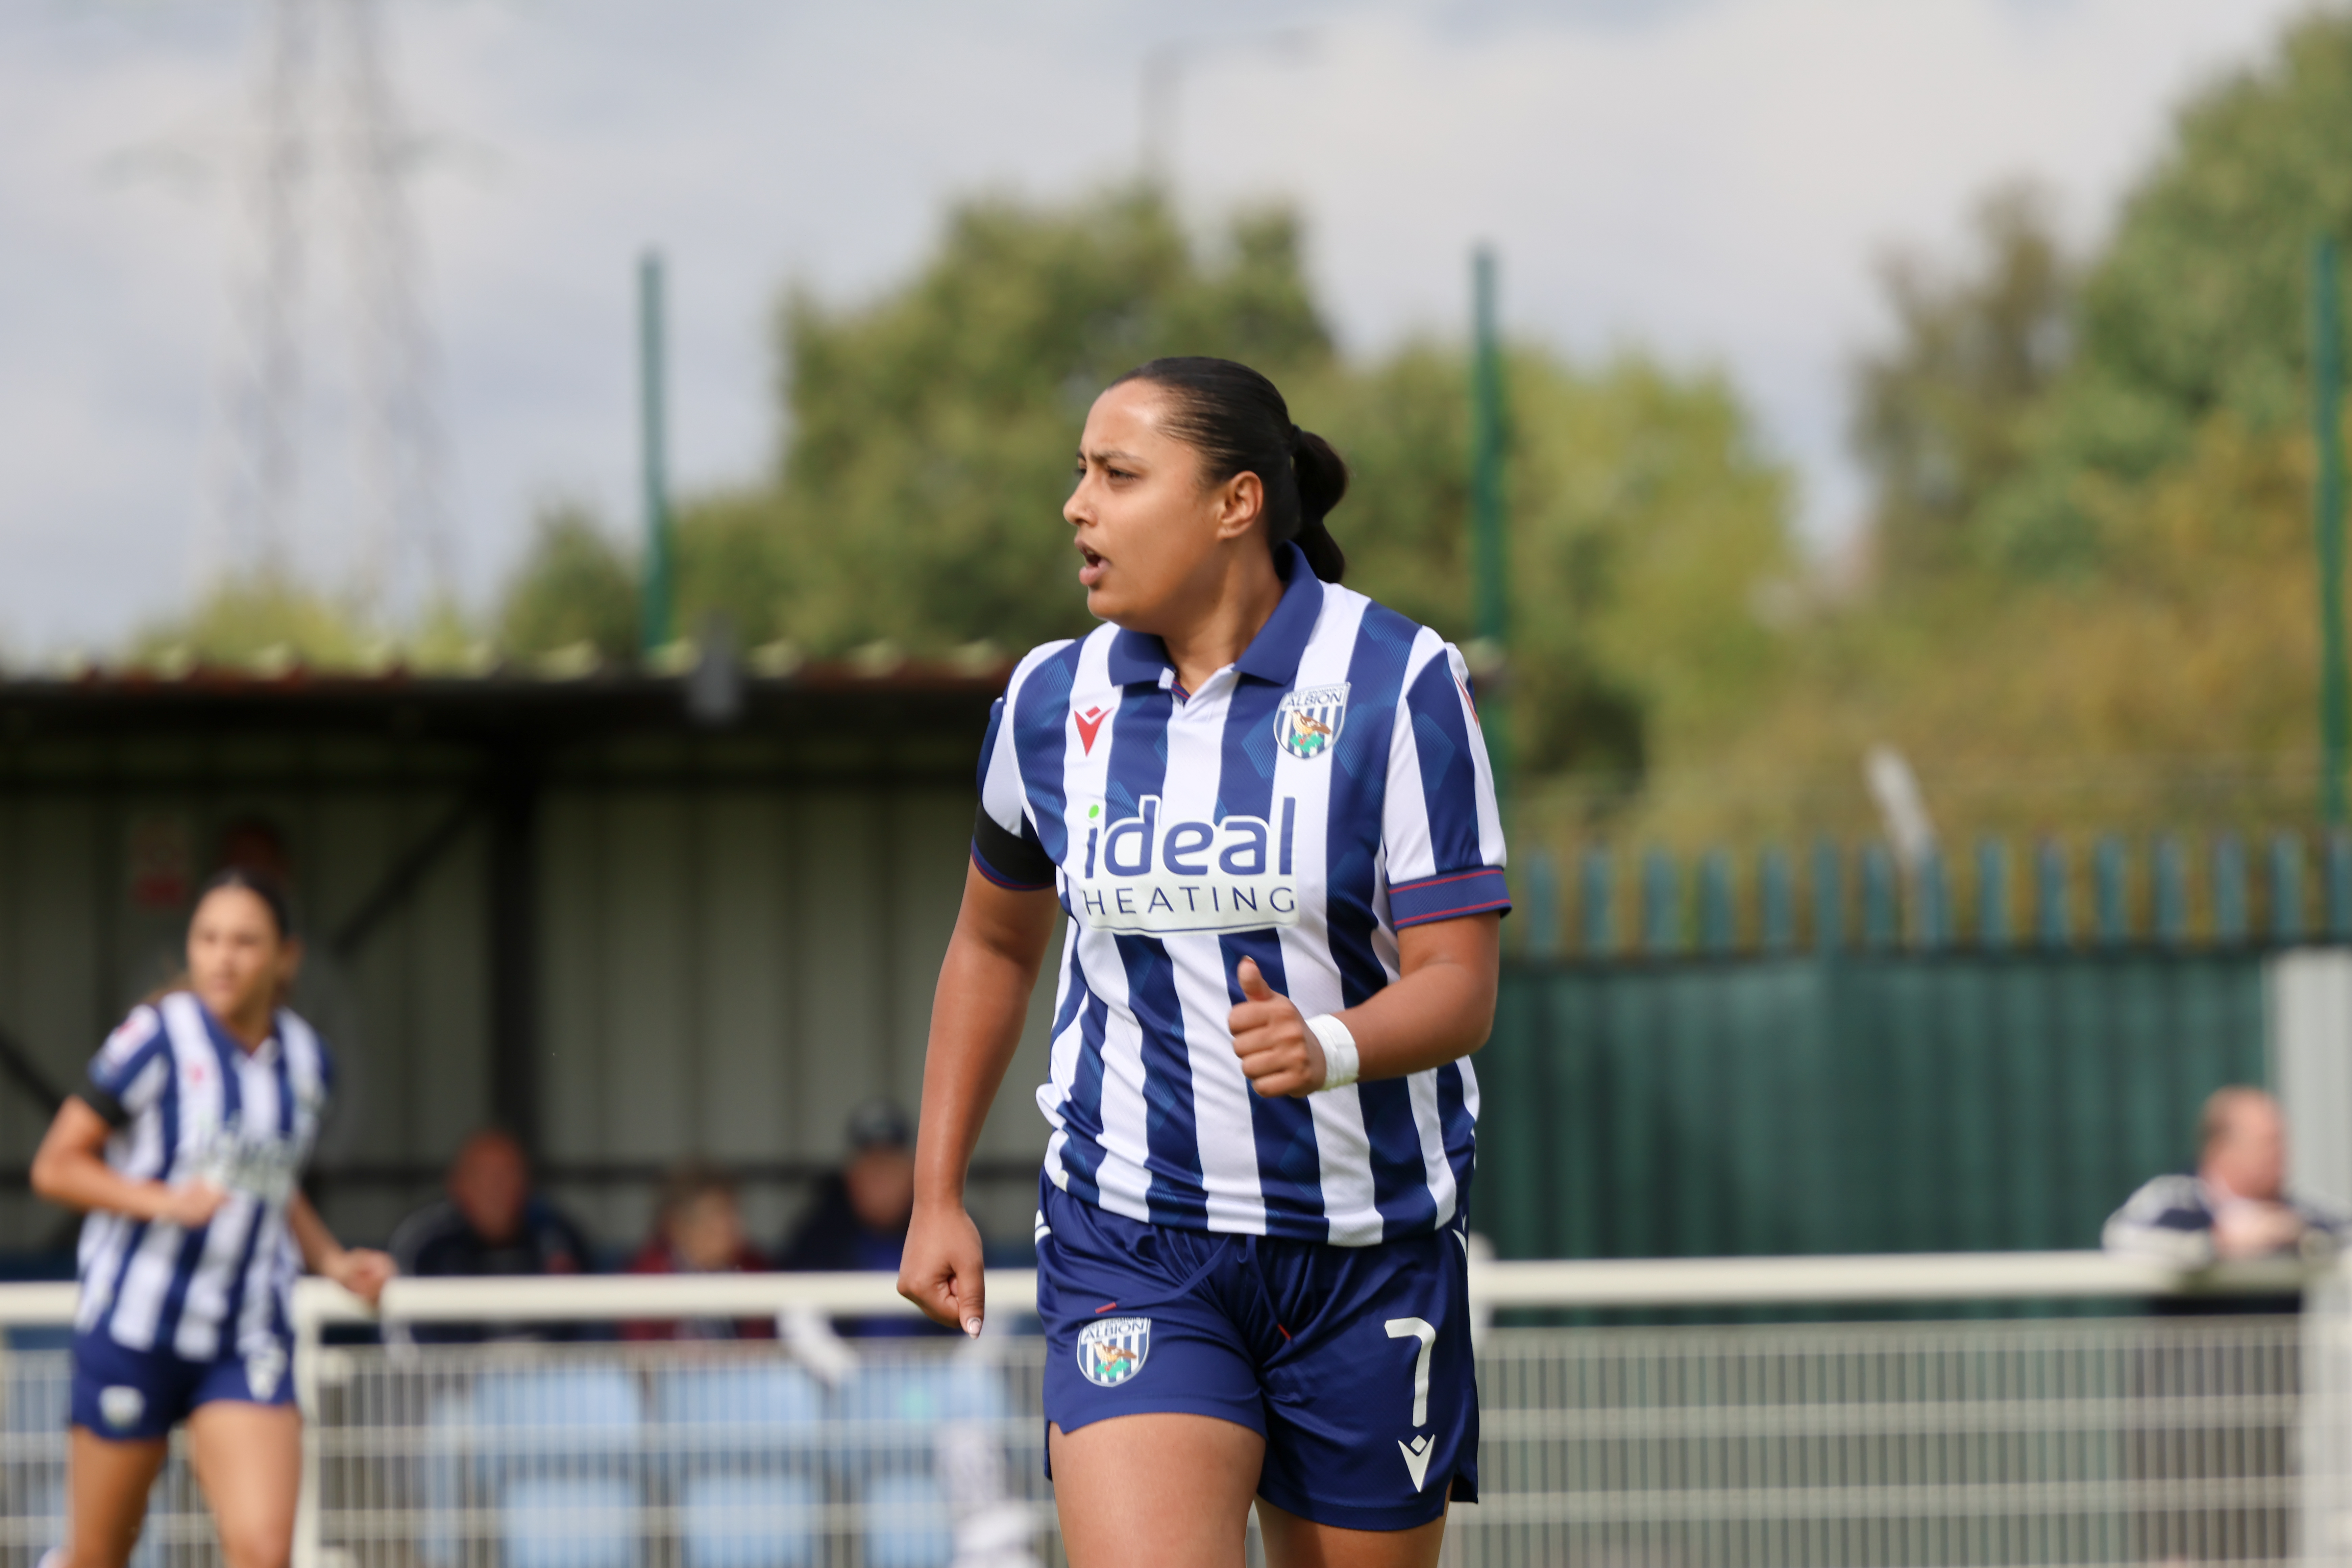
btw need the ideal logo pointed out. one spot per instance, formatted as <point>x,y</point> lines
<point>1143,875</point>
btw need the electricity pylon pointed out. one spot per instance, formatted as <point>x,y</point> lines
<point>328,334</point>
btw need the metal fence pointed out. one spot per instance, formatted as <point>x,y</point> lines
<point>2112,1441</point>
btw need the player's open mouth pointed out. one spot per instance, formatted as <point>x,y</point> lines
<point>1091,572</point>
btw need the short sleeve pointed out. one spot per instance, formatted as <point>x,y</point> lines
<point>1004,847</point>
<point>1441,830</point>
<point>127,1074</point>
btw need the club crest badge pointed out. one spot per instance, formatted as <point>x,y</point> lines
<point>1112,1350</point>
<point>1308,722</point>
<point>121,1405</point>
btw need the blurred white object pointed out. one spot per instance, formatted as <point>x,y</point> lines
<point>1895,789</point>
<point>808,1333</point>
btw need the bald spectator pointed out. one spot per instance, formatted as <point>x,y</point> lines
<point>2235,1205</point>
<point>491,1223</point>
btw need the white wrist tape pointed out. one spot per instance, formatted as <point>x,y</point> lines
<point>1341,1062</point>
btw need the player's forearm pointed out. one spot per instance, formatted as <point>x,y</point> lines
<point>1440,1009</point>
<point>79,1180</point>
<point>321,1251</point>
<point>1423,1021</point>
<point>976,1018</point>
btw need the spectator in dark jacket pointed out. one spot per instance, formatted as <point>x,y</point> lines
<point>859,1218</point>
<point>699,1230</point>
<point>2233,1206</point>
<point>491,1223</point>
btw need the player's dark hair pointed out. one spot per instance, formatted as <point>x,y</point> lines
<point>261,885</point>
<point>1239,424</point>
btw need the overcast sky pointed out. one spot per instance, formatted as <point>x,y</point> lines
<point>1708,178</point>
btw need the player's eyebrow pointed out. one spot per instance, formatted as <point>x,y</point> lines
<point>1107,455</point>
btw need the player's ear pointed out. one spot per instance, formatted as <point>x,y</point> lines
<point>1241,501</point>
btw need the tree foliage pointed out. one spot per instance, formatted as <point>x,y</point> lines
<point>1942,413</point>
<point>2095,595</point>
<point>2199,306</point>
<point>575,589</point>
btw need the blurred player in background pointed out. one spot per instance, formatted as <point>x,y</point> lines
<point>184,1147</point>
<point>1262,805</point>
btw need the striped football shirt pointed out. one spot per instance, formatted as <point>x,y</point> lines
<point>1327,789</point>
<point>187,1100</point>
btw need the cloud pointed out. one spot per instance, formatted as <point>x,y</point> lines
<point>1711,177</point>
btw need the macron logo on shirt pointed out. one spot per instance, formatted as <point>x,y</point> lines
<point>1145,876</point>
<point>1089,725</point>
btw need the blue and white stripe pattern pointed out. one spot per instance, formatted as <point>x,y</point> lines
<point>1327,789</point>
<point>195,1103</point>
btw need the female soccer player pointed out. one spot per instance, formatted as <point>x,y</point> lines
<point>1262,803</point>
<point>185,1145</point>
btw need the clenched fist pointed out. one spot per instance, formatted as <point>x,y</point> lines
<point>1279,1053</point>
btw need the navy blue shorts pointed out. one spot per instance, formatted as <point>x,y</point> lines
<point>135,1395</point>
<point>1352,1362</point>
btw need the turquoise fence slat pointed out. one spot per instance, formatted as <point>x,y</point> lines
<point>2229,890</point>
<point>2110,869</point>
<point>1719,919</point>
<point>1829,898</point>
<point>2053,919</point>
<point>1934,904</point>
<point>2339,887</point>
<point>2286,888</point>
<point>1776,897</point>
<point>1992,893</point>
<point>1661,904</point>
<point>1879,1101</point>
<point>1600,928</point>
<point>1539,910</point>
<point>2171,892</point>
<point>1880,922</point>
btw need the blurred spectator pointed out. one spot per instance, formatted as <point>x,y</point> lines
<point>2233,1206</point>
<point>699,1230</point>
<point>859,1218</point>
<point>491,1223</point>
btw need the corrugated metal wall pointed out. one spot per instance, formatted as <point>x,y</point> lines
<point>1850,1102</point>
<point>725,970</point>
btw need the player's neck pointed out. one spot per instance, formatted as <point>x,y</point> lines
<point>249,1025</point>
<point>1227,626</point>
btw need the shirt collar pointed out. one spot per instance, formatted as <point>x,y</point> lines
<point>233,1048</point>
<point>1138,658</point>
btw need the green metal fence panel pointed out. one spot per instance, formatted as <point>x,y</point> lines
<point>1874,1101</point>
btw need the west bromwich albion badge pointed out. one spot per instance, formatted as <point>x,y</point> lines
<point>1112,1350</point>
<point>1308,722</point>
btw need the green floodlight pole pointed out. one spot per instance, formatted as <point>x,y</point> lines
<point>653,615</point>
<point>1489,572</point>
<point>2328,418</point>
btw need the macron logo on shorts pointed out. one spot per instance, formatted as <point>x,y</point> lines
<point>1112,1351</point>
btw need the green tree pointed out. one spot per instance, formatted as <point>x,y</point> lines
<point>2198,306</point>
<point>575,588</point>
<point>930,433</point>
<point>1941,411</point>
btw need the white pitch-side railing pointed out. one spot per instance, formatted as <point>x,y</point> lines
<point>1843,1445</point>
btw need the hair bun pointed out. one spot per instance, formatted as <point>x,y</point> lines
<point>1322,482</point>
